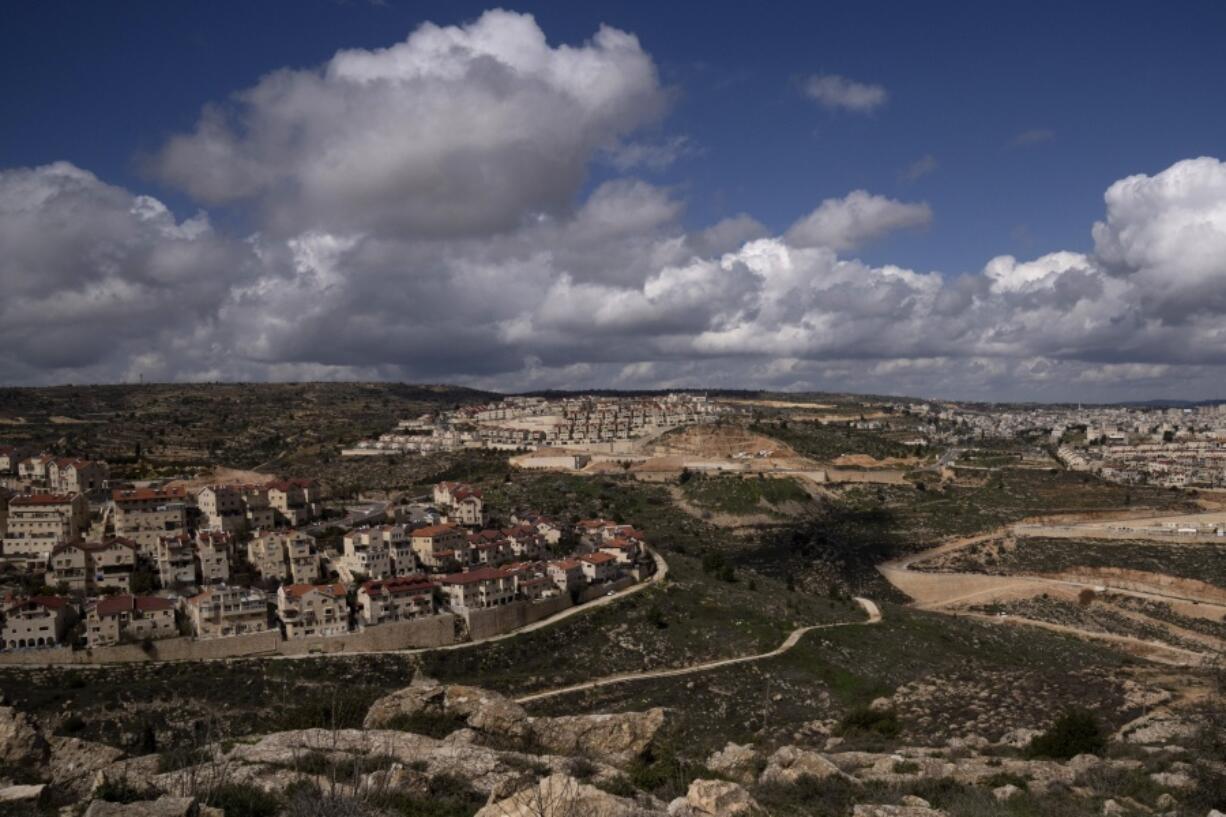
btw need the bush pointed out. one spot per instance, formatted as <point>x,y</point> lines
<point>1076,732</point>
<point>243,800</point>
<point>868,720</point>
<point>119,790</point>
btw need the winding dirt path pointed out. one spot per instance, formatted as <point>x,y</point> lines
<point>874,617</point>
<point>940,592</point>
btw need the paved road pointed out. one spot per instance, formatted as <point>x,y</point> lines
<point>874,616</point>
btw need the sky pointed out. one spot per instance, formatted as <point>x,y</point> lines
<point>1001,201</point>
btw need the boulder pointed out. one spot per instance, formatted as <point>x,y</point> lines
<point>21,741</point>
<point>1018,738</point>
<point>161,807</point>
<point>1006,792</point>
<point>736,762</point>
<point>616,738</point>
<point>912,800</point>
<point>720,798</point>
<point>26,795</point>
<point>560,795</point>
<point>484,711</point>
<point>74,762</point>
<point>869,810</point>
<point>1113,809</point>
<point>789,763</point>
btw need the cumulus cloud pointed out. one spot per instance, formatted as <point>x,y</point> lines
<point>859,217</point>
<point>458,130</point>
<point>835,92</point>
<point>421,213</point>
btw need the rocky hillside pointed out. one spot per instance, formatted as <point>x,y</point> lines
<point>436,750</point>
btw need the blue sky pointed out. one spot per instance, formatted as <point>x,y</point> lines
<point>1123,88</point>
<point>1021,115</point>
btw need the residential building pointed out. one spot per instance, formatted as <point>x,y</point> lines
<point>222,508</point>
<point>39,621</point>
<point>220,612</point>
<point>37,523</point>
<point>212,556</point>
<point>285,556</point>
<point>463,503</point>
<point>145,515</point>
<point>93,566</point>
<point>295,501</point>
<point>598,567</point>
<point>76,476</point>
<point>396,599</point>
<point>567,574</point>
<point>439,546</point>
<point>175,560</point>
<point>479,588</point>
<point>313,610</point>
<point>8,459</point>
<point>128,619</point>
<point>34,469</point>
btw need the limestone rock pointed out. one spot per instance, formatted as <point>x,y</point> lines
<point>1006,792</point>
<point>74,762</point>
<point>720,798</point>
<point>481,709</point>
<point>1112,809</point>
<point>616,738</point>
<point>736,762</point>
<point>1018,738</point>
<point>912,800</point>
<point>161,807</point>
<point>869,810</point>
<point>881,705</point>
<point>21,741</point>
<point>29,795</point>
<point>789,764</point>
<point>560,795</point>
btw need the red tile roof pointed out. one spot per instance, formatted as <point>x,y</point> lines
<point>400,585</point>
<point>126,604</point>
<point>481,574</point>
<point>295,591</point>
<point>41,499</point>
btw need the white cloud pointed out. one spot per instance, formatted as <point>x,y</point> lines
<point>859,217</point>
<point>836,92</point>
<point>1032,137</point>
<point>458,130</point>
<point>920,168</point>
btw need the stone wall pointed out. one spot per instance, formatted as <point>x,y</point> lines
<point>494,621</point>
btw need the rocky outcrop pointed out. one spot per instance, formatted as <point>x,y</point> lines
<point>615,738</point>
<point>21,741</point>
<point>161,807</point>
<point>24,795</point>
<point>484,711</point>
<point>737,762</point>
<point>869,810</point>
<point>73,762</point>
<point>715,798</point>
<point>560,795</point>
<point>789,764</point>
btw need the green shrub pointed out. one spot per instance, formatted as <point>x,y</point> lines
<point>1076,732</point>
<point>430,724</point>
<point>868,720</point>
<point>119,790</point>
<point>243,800</point>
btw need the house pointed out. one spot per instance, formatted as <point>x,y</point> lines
<point>479,588</point>
<point>145,515</point>
<point>625,551</point>
<point>535,587</point>
<point>127,619</point>
<point>34,469</point>
<point>598,567</point>
<point>219,612</point>
<point>212,557</point>
<point>222,508</point>
<point>567,574</point>
<point>37,523</point>
<point>39,621</point>
<point>464,504</point>
<point>366,553</point>
<point>175,560</point>
<point>8,459</point>
<point>76,476</point>
<point>313,610</point>
<point>398,599</point>
<point>437,546</point>
<point>285,556</point>
<point>295,501</point>
<point>93,566</point>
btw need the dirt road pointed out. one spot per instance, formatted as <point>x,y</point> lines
<point>874,616</point>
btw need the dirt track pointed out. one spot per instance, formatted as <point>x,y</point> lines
<point>944,591</point>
